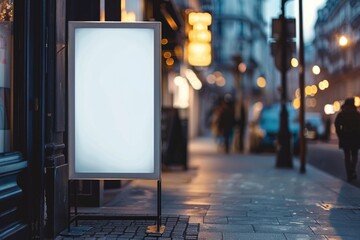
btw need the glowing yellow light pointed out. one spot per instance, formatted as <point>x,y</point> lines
<point>128,16</point>
<point>294,62</point>
<point>326,83</point>
<point>164,41</point>
<point>199,54</point>
<point>169,61</point>
<point>313,90</point>
<point>200,36</point>
<point>178,51</point>
<point>343,41</point>
<point>316,70</point>
<point>336,106</point>
<point>296,103</point>
<point>307,90</point>
<point>242,67</point>
<point>357,101</point>
<point>199,47</point>
<point>167,54</point>
<point>261,82</point>
<point>198,17</point>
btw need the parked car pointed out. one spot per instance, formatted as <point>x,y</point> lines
<point>264,129</point>
<point>314,126</point>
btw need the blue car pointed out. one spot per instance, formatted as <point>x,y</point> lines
<point>264,130</point>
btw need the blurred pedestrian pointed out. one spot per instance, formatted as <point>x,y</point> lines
<point>347,124</point>
<point>226,122</point>
<point>241,124</point>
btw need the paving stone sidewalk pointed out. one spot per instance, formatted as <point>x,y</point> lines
<point>235,196</point>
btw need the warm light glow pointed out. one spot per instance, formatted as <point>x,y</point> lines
<point>193,79</point>
<point>242,67</point>
<point>169,19</point>
<point>199,47</point>
<point>211,78</point>
<point>261,82</point>
<point>178,51</point>
<point>297,93</point>
<point>128,16</point>
<point>164,41</point>
<point>313,90</point>
<point>296,103</point>
<point>343,41</point>
<point>324,84</point>
<point>178,80</point>
<point>316,69</point>
<point>329,109</point>
<point>294,62</point>
<point>181,93</point>
<point>257,109</point>
<point>220,81</point>
<point>200,18</point>
<point>200,36</point>
<point>217,74</point>
<point>167,54</point>
<point>199,54</point>
<point>357,101</point>
<point>336,106</point>
<point>170,61</point>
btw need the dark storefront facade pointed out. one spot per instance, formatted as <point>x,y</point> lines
<point>34,117</point>
<point>33,122</point>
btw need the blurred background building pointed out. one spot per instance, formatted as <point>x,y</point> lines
<point>337,53</point>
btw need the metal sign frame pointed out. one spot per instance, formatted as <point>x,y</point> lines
<point>75,147</point>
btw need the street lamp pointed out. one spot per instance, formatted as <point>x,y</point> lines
<point>284,155</point>
<point>343,41</point>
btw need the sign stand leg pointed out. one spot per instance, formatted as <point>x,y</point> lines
<point>76,230</point>
<point>158,205</point>
<point>158,228</point>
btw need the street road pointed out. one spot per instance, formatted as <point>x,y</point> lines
<point>329,158</point>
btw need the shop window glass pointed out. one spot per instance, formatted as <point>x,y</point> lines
<point>6,19</point>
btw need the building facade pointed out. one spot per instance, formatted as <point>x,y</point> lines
<point>240,36</point>
<point>337,52</point>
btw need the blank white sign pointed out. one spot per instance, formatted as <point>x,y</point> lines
<point>114,100</point>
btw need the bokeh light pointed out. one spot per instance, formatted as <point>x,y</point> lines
<point>316,70</point>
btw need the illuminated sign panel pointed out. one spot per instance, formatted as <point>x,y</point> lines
<point>114,100</point>
<point>199,46</point>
